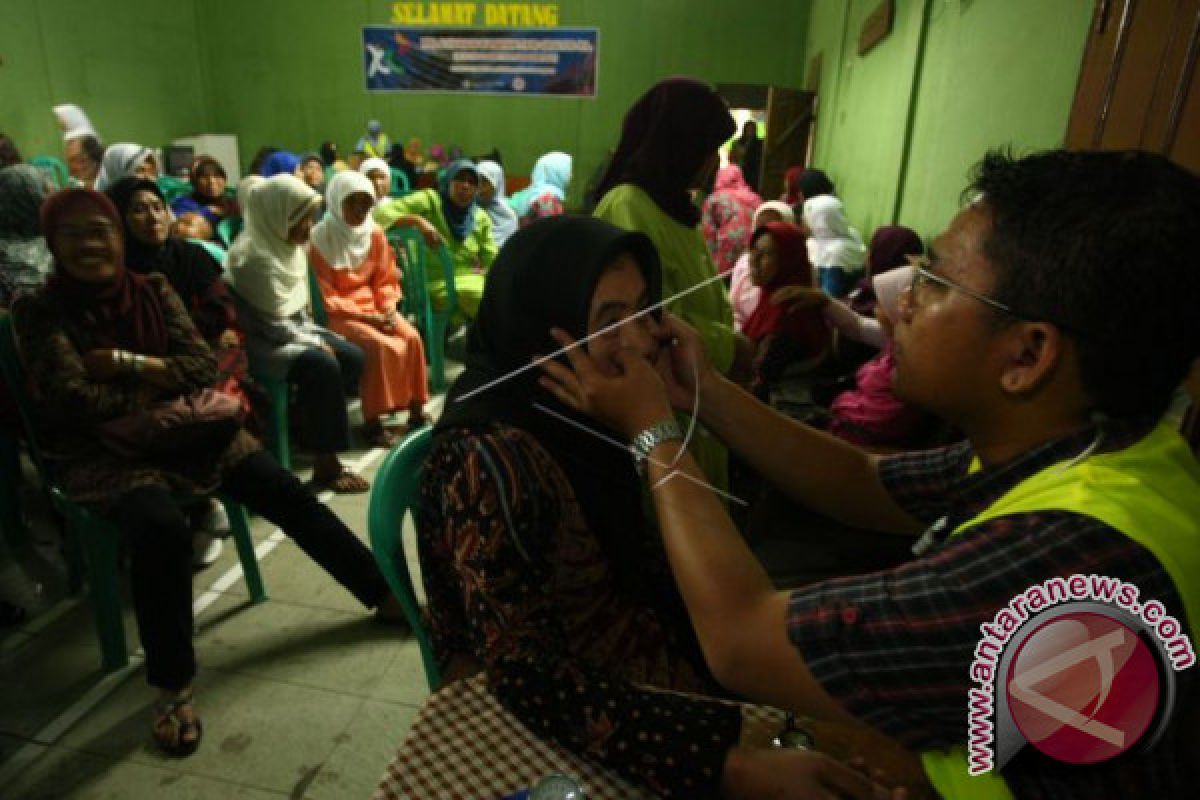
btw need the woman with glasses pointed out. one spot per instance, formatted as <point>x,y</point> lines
<point>449,215</point>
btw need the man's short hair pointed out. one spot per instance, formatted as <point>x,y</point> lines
<point>1103,244</point>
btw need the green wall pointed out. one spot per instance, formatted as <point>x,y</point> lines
<point>133,65</point>
<point>289,73</point>
<point>899,128</point>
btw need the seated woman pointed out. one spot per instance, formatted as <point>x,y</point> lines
<point>356,269</point>
<point>538,560</point>
<point>743,294</point>
<point>449,214</point>
<point>835,249</point>
<point>380,175</point>
<point>100,343</point>
<point>269,272</point>
<point>25,261</point>
<point>727,217</point>
<point>784,338</point>
<point>547,189</point>
<point>126,160</point>
<point>493,200</point>
<point>208,199</point>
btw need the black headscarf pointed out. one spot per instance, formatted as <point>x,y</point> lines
<point>665,138</point>
<point>187,266</point>
<point>545,277</point>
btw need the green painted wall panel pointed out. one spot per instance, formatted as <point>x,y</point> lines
<point>993,72</point>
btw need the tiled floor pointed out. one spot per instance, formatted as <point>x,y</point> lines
<point>304,696</point>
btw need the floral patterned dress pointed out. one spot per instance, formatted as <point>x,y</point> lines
<point>515,579</point>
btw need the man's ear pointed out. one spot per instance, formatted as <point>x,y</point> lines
<point>1034,353</point>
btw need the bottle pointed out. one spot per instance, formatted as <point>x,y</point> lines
<point>557,787</point>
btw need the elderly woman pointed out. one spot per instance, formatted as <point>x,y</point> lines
<point>269,272</point>
<point>207,199</point>
<point>356,269</point>
<point>743,294</point>
<point>102,343</point>
<point>25,261</point>
<point>449,214</point>
<point>126,160</point>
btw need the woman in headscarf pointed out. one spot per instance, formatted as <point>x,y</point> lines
<point>668,146</point>
<point>125,160</point>
<point>891,245</point>
<point>380,175</point>
<point>356,270</point>
<point>727,217</point>
<point>194,275</point>
<point>743,294</point>
<point>269,272</point>
<point>835,248</point>
<point>493,200</point>
<point>449,215</point>
<point>208,198</point>
<point>547,189</point>
<point>784,337</point>
<point>280,162</point>
<point>25,261</point>
<point>800,184</point>
<point>101,342</point>
<point>538,561</point>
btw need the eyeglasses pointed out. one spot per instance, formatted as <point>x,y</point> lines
<point>922,275</point>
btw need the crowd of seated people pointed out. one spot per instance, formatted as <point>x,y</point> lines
<point>611,609</point>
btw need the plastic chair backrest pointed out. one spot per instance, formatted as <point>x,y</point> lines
<point>400,186</point>
<point>54,168</point>
<point>394,493</point>
<point>173,188</point>
<point>228,229</point>
<point>318,300</point>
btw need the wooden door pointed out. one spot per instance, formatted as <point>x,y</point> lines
<point>1137,87</point>
<point>789,128</point>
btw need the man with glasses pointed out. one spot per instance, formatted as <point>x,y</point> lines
<point>1052,323</point>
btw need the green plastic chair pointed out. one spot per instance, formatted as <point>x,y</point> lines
<point>393,495</point>
<point>400,186</point>
<point>173,188</point>
<point>95,541</point>
<point>432,322</point>
<point>54,168</point>
<point>318,300</point>
<point>228,229</point>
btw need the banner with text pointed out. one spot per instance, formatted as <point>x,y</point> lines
<point>558,61</point>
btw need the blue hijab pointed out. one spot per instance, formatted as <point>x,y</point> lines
<point>551,175</point>
<point>281,161</point>
<point>460,220</point>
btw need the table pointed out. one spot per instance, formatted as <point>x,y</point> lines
<point>465,746</point>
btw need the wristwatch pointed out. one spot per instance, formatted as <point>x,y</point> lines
<point>662,431</point>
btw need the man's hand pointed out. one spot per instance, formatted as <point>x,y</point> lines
<point>628,403</point>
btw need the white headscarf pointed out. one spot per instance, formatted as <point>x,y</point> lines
<point>120,161</point>
<point>373,164</point>
<point>779,207</point>
<point>74,122</point>
<point>832,242</point>
<point>268,271</point>
<point>343,246</point>
<point>504,220</point>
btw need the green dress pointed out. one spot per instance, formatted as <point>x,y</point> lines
<point>472,256</point>
<point>686,263</point>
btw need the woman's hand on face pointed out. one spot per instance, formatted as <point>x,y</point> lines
<point>628,403</point>
<point>101,365</point>
<point>682,362</point>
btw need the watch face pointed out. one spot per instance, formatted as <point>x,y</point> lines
<point>794,739</point>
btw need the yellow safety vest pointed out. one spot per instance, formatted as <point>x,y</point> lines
<point>1150,491</point>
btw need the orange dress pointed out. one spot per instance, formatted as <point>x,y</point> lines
<point>393,378</point>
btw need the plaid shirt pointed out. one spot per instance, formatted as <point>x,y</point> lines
<point>895,647</point>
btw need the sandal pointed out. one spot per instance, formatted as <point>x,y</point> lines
<point>175,735</point>
<point>378,436</point>
<point>345,482</point>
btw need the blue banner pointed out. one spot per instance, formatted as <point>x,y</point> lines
<point>557,61</point>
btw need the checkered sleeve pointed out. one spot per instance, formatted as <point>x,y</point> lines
<point>919,482</point>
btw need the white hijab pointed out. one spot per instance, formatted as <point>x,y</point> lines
<point>343,246</point>
<point>832,242</point>
<point>120,161</point>
<point>269,272</point>
<point>779,207</point>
